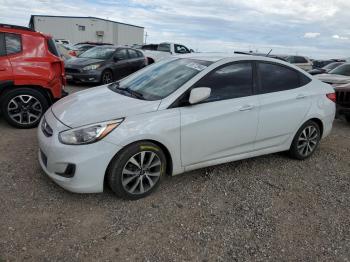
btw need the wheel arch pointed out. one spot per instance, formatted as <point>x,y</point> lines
<point>169,160</point>
<point>319,123</point>
<point>44,91</point>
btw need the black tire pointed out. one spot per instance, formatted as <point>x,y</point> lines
<point>347,117</point>
<point>26,115</point>
<point>297,149</point>
<point>121,162</point>
<point>107,77</point>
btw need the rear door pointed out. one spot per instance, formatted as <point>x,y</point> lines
<point>136,62</point>
<point>120,63</point>
<point>225,124</point>
<point>285,99</point>
<point>6,76</point>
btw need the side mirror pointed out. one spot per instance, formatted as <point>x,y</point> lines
<point>191,50</point>
<point>199,94</point>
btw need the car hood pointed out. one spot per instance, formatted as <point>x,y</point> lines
<point>99,104</point>
<point>333,79</point>
<point>81,62</point>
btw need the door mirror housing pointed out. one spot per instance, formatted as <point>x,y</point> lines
<point>199,94</point>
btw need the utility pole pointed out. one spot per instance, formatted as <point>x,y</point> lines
<point>146,37</point>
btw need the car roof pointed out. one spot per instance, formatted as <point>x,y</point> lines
<point>215,57</point>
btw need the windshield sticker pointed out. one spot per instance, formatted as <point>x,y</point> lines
<point>196,66</point>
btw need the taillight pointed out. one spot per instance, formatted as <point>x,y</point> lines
<point>72,53</point>
<point>332,96</point>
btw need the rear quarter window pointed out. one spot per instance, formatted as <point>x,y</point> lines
<point>2,44</point>
<point>275,78</point>
<point>13,43</point>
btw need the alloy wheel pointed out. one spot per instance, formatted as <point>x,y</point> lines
<point>308,140</point>
<point>141,172</point>
<point>107,78</point>
<point>25,109</point>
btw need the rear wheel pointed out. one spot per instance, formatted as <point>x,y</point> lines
<point>107,77</point>
<point>23,107</point>
<point>305,141</point>
<point>136,171</point>
<point>347,117</point>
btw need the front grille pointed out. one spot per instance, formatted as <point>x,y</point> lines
<point>343,97</point>
<point>71,70</point>
<point>47,130</point>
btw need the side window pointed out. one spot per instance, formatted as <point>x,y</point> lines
<point>300,60</point>
<point>274,78</point>
<point>180,49</point>
<point>139,54</point>
<point>230,81</point>
<point>132,54</point>
<point>121,54</point>
<point>13,43</point>
<point>2,44</point>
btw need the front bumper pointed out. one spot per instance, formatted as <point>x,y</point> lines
<point>92,76</point>
<point>90,161</point>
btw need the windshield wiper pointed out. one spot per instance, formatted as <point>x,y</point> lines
<point>133,93</point>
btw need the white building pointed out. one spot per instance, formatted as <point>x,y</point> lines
<point>82,29</point>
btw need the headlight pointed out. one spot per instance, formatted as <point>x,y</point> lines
<point>88,134</point>
<point>91,67</point>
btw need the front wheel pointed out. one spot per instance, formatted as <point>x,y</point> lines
<point>136,171</point>
<point>107,77</point>
<point>306,141</point>
<point>23,107</point>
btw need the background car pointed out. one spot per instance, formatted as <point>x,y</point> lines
<point>104,64</point>
<point>31,75</point>
<point>337,76</point>
<point>300,61</point>
<point>76,50</point>
<point>325,69</point>
<point>181,114</point>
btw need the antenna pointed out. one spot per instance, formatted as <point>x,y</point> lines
<point>269,52</point>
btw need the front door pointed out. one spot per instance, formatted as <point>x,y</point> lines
<point>121,65</point>
<point>226,123</point>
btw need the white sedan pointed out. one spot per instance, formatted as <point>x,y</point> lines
<point>181,114</point>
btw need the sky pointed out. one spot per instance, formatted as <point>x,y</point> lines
<point>315,28</point>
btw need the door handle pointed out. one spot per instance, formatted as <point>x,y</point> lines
<point>246,108</point>
<point>301,96</point>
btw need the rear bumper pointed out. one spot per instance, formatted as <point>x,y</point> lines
<point>88,77</point>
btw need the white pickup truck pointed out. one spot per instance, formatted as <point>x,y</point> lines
<point>165,50</point>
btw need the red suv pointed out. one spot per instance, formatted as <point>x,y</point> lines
<point>31,75</point>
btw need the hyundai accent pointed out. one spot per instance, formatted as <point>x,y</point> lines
<point>182,114</point>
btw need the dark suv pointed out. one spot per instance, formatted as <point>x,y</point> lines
<point>31,75</point>
<point>343,101</point>
<point>104,64</point>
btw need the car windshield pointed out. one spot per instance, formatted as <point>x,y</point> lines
<point>159,80</point>
<point>98,53</point>
<point>341,70</point>
<point>164,47</point>
<point>332,66</point>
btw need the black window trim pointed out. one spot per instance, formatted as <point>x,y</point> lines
<point>121,48</point>
<point>2,44</point>
<point>258,78</point>
<point>178,103</point>
<point>129,55</point>
<point>21,41</point>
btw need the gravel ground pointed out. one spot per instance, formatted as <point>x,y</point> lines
<point>267,208</point>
